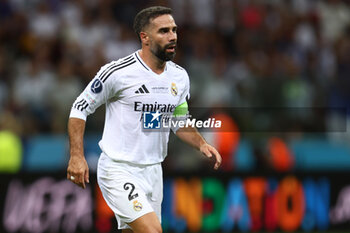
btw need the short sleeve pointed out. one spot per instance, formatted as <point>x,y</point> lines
<point>104,86</point>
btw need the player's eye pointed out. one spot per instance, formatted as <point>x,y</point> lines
<point>164,30</point>
<point>174,29</point>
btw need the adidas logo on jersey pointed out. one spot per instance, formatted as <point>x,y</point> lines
<point>142,89</point>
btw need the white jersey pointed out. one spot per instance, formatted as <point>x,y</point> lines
<point>129,87</point>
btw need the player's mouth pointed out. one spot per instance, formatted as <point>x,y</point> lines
<point>171,48</point>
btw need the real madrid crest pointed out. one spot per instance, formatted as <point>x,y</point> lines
<point>137,205</point>
<point>173,89</point>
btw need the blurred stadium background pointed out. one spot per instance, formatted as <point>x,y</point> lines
<point>286,171</point>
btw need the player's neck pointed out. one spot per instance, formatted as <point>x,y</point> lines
<point>154,63</point>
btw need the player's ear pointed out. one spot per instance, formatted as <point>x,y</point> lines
<point>144,38</point>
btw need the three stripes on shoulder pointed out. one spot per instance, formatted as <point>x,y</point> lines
<point>116,66</point>
<point>83,104</point>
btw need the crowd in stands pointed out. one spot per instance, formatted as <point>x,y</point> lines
<point>238,53</point>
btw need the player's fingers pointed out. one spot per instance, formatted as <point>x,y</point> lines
<point>218,158</point>
<point>217,164</point>
<point>207,153</point>
<point>86,176</point>
<point>71,176</point>
<point>69,173</point>
<point>77,178</point>
<point>81,179</point>
<point>80,182</point>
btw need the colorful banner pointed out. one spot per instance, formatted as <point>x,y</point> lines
<point>40,203</point>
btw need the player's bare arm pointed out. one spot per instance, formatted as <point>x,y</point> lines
<point>192,137</point>
<point>78,170</point>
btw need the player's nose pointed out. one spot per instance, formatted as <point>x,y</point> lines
<point>172,36</point>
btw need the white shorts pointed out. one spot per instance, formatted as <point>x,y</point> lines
<point>130,190</point>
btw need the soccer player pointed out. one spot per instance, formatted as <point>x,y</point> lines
<point>129,170</point>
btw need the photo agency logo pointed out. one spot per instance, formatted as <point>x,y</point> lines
<point>152,120</point>
<point>257,119</point>
<point>157,120</point>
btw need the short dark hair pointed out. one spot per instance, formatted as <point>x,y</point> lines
<point>143,18</point>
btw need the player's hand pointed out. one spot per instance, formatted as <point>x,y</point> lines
<point>78,171</point>
<point>210,152</point>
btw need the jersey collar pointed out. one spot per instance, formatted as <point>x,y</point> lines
<point>146,66</point>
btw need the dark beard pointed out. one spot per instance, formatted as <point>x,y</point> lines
<point>162,54</point>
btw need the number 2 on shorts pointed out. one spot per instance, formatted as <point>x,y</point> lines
<point>131,196</point>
